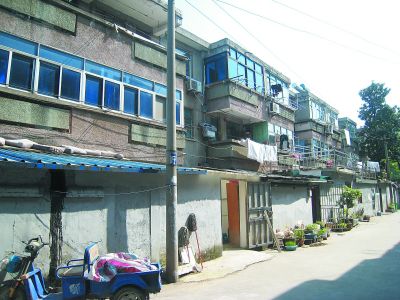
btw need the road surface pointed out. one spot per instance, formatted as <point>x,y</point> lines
<point>361,264</point>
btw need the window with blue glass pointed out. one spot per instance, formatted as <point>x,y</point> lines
<point>14,42</point>
<point>138,81</point>
<point>3,66</point>
<point>101,70</point>
<point>21,73</point>
<point>178,112</point>
<point>146,105</point>
<point>70,84</point>
<point>111,95</point>
<point>216,68</point>
<point>245,71</point>
<point>61,57</point>
<point>130,101</point>
<point>94,90</point>
<point>49,79</point>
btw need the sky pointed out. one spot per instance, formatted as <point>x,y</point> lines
<point>336,48</point>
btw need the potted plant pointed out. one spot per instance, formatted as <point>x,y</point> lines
<point>310,232</point>
<point>323,233</point>
<point>391,208</point>
<point>299,235</point>
<point>347,200</point>
<point>290,245</point>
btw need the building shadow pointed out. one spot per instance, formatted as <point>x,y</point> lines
<point>371,279</point>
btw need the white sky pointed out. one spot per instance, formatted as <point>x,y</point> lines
<point>334,73</point>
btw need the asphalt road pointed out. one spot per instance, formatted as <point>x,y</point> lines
<point>361,264</point>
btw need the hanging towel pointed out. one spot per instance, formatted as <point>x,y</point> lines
<point>260,152</point>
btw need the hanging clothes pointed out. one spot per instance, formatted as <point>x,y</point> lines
<point>260,152</point>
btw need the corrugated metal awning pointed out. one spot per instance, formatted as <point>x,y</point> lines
<point>40,160</point>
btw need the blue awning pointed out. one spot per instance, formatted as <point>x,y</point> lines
<point>41,160</point>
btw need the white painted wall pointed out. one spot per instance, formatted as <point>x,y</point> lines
<point>290,204</point>
<point>370,198</point>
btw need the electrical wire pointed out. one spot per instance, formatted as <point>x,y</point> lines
<point>113,194</point>
<point>336,27</point>
<point>306,32</point>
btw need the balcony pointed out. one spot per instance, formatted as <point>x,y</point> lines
<point>235,99</point>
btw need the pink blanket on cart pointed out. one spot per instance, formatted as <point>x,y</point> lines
<point>107,266</point>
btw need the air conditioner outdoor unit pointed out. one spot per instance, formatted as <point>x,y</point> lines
<point>209,131</point>
<point>274,108</point>
<point>193,85</point>
<point>329,129</point>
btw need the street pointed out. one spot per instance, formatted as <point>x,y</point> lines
<point>361,264</point>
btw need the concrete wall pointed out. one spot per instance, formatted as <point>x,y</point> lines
<point>290,205</point>
<point>80,125</point>
<point>109,210</point>
<point>370,198</point>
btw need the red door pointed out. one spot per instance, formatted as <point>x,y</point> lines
<point>232,191</point>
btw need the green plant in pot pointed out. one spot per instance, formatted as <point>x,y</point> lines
<point>299,235</point>
<point>310,232</point>
<point>323,233</point>
<point>290,245</point>
<point>348,199</point>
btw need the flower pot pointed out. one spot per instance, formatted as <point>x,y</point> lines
<point>290,248</point>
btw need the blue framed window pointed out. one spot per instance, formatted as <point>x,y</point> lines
<point>178,95</point>
<point>70,84</point>
<point>160,111</point>
<point>241,58</point>
<point>61,57</point>
<point>49,79</point>
<point>232,53</point>
<point>216,68</point>
<point>146,105</point>
<point>139,82</point>
<point>250,79</point>
<point>94,90</point>
<point>21,72</point>
<point>3,66</point>
<point>18,43</point>
<point>131,101</point>
<point>104,71</point>
<point>160,89</point>
<point>178,112</point>
<point>111,95</point>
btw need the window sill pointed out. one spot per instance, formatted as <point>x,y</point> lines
<point>55,102</point>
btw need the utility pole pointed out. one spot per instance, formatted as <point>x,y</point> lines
<point>171,157</point>
<point>387,159</point>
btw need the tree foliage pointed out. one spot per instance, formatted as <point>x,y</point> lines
<point>348,198</point>
<point>381,123</point>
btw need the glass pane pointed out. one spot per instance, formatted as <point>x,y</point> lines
<point>131,101</point>
<point>178,95</point>
<point>259,82</point>
<point>111,95</point>
<point>138,81</point>
<point>189,122</point>
<point>178,113</point>
<point>101,70</point>
<point>3,66</point>
<point>160,113</point>
<point>258,68</point>
<point>210,72</point>
<point>49,79</point>
<point>70,84</point>
<point>232,68</point>
<point>21,72</point>
<point>242,73</point>
<point>160,89</point>
<point>17,43</point>
<point>146,104</point>
<point>241,58</point>
<point>61,57</point>
<point>94,89</point>
<point>250,79</point>
<point>250,63</point>
<point>232,53</point>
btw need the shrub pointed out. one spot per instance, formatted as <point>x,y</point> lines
<point>290,243</point>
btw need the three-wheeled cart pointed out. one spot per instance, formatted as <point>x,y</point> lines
<point>76,285</point>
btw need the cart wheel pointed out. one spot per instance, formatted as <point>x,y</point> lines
<point>130,293</point>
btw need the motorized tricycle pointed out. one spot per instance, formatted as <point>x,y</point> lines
<point>27,281</point>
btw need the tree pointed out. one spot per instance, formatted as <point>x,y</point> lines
<point>382,124</point>
<point>348,198</point>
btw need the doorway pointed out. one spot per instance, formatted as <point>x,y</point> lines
<point>316,203</point>
<point>232,195</point>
